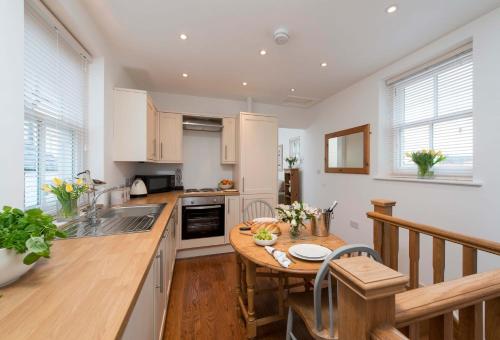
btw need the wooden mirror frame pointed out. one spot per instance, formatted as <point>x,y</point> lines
<point>365,129</point>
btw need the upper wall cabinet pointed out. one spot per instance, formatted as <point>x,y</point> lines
<point>228,141</point>
<point>141,133</point>
<point>133,126</point>
<point>170,137</point>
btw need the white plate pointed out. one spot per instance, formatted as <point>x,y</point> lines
<point>266,242</point>
<point>309,251</point>
<point>306,258</point>
<point>265,220</point>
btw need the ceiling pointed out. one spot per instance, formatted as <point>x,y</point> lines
<point>355,38</point>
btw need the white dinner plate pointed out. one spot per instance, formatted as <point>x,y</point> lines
<point>312,252</point>
<point>265,220</point>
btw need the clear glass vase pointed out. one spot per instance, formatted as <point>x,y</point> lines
<point>67,209</point>
<point>425,172</point>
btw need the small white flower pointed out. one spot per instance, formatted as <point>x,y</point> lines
<point>294,223</point>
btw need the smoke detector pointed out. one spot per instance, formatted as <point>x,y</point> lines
<point>281,36</point>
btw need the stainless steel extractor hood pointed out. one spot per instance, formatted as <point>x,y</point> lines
<point>202,123</point>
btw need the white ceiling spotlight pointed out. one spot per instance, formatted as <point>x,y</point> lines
<point>183,36</point>
<point>185,75</point>
<point>281,36</point>
<point>263,52</point>
<point>324,64</point>
<point>244,83</point>
<point>391,9</point>
<point>292,89</point>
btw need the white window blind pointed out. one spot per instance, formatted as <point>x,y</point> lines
<point>55,108</point>
<point>433,109</point>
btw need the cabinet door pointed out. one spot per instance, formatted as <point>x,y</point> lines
<point>141,322</point>
<point>170,137</point>
<point>152,131</point>
<point>228,141</point>
<point>232,204</point>
<point>160,290</point>
<point>258,154</point>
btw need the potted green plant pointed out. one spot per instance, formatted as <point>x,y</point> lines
<point>295,214</point>
<point>25,236</point>
<point>291,161</point>
<point>67,196</point>
<point>425,160</point>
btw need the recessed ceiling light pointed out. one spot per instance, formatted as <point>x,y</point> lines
<point>185,75</point>
<point>324,64</point>
<point>244,83</point>
<point>263,52</point>
<point>292,89</point>
<point>183,36</point>
<point>391,9</point>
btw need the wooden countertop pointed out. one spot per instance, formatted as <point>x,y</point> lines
<point>87,289</point>
<point>215,193</point>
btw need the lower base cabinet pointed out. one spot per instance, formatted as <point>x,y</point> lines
<point>148,316</point>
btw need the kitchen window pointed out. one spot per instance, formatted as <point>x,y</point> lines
<point>55,105</point>
<point>432,108</point>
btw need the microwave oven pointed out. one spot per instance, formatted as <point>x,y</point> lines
<point>158,183</point>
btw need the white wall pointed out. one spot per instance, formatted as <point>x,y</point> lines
<point>11,97</point>
<point>469,210</point>
<point>288,117</point>
<point>201,167</point>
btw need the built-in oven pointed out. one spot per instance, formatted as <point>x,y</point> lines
<point>202,217</point>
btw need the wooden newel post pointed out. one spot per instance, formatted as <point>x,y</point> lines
<point>385,237</point>
<point>366,295</point>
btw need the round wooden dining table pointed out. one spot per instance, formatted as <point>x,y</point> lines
<point>250,256</point>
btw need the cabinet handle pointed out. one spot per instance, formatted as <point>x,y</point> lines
<point>225,152</point>
<point>154,147</point>
<point>243,179</point>
<point>228,207</point>
<point>161,150</point>
<point>161,271</point>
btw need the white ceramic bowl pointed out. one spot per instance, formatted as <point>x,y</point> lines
<point>11,266</point>
<point>266,242</point>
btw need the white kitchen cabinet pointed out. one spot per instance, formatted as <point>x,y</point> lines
<point>141,324</point>
<point>160,294</point>
<point>228,141</point>
<point>170,137</point>
<point>257,166</point>
<point>232,218</point>
<point>152,131</point>
<point>130,125</point>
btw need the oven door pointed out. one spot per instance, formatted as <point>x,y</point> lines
<point>201,221</point>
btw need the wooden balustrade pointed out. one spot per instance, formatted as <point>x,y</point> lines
<point>386,242</point>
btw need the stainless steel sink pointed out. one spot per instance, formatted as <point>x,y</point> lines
<point>117,220</point>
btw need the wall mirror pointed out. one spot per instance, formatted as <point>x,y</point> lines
<point>348,151</point>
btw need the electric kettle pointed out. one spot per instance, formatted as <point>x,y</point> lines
<point>138,189</point>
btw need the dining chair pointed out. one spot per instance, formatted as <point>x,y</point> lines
<point>257,209</point>
<point>317,308</point>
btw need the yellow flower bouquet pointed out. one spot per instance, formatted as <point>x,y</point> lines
<point>67,195</point>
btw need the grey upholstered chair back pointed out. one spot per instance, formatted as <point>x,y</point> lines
<point>257,209</point>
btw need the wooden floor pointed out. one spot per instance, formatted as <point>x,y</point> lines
<point>202,305</point>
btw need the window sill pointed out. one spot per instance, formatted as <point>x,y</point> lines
<point>441,181</point>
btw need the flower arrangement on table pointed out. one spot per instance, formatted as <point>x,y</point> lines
<point>295,214</point>
<point>291,161</point>
<point>67,194</point>
<point>425,160</point>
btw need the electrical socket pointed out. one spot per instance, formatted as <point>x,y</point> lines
<point>354,224</point>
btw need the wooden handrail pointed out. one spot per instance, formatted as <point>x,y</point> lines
<point>424,303</point>
<point>470,241</point>
<point>387,332</point>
